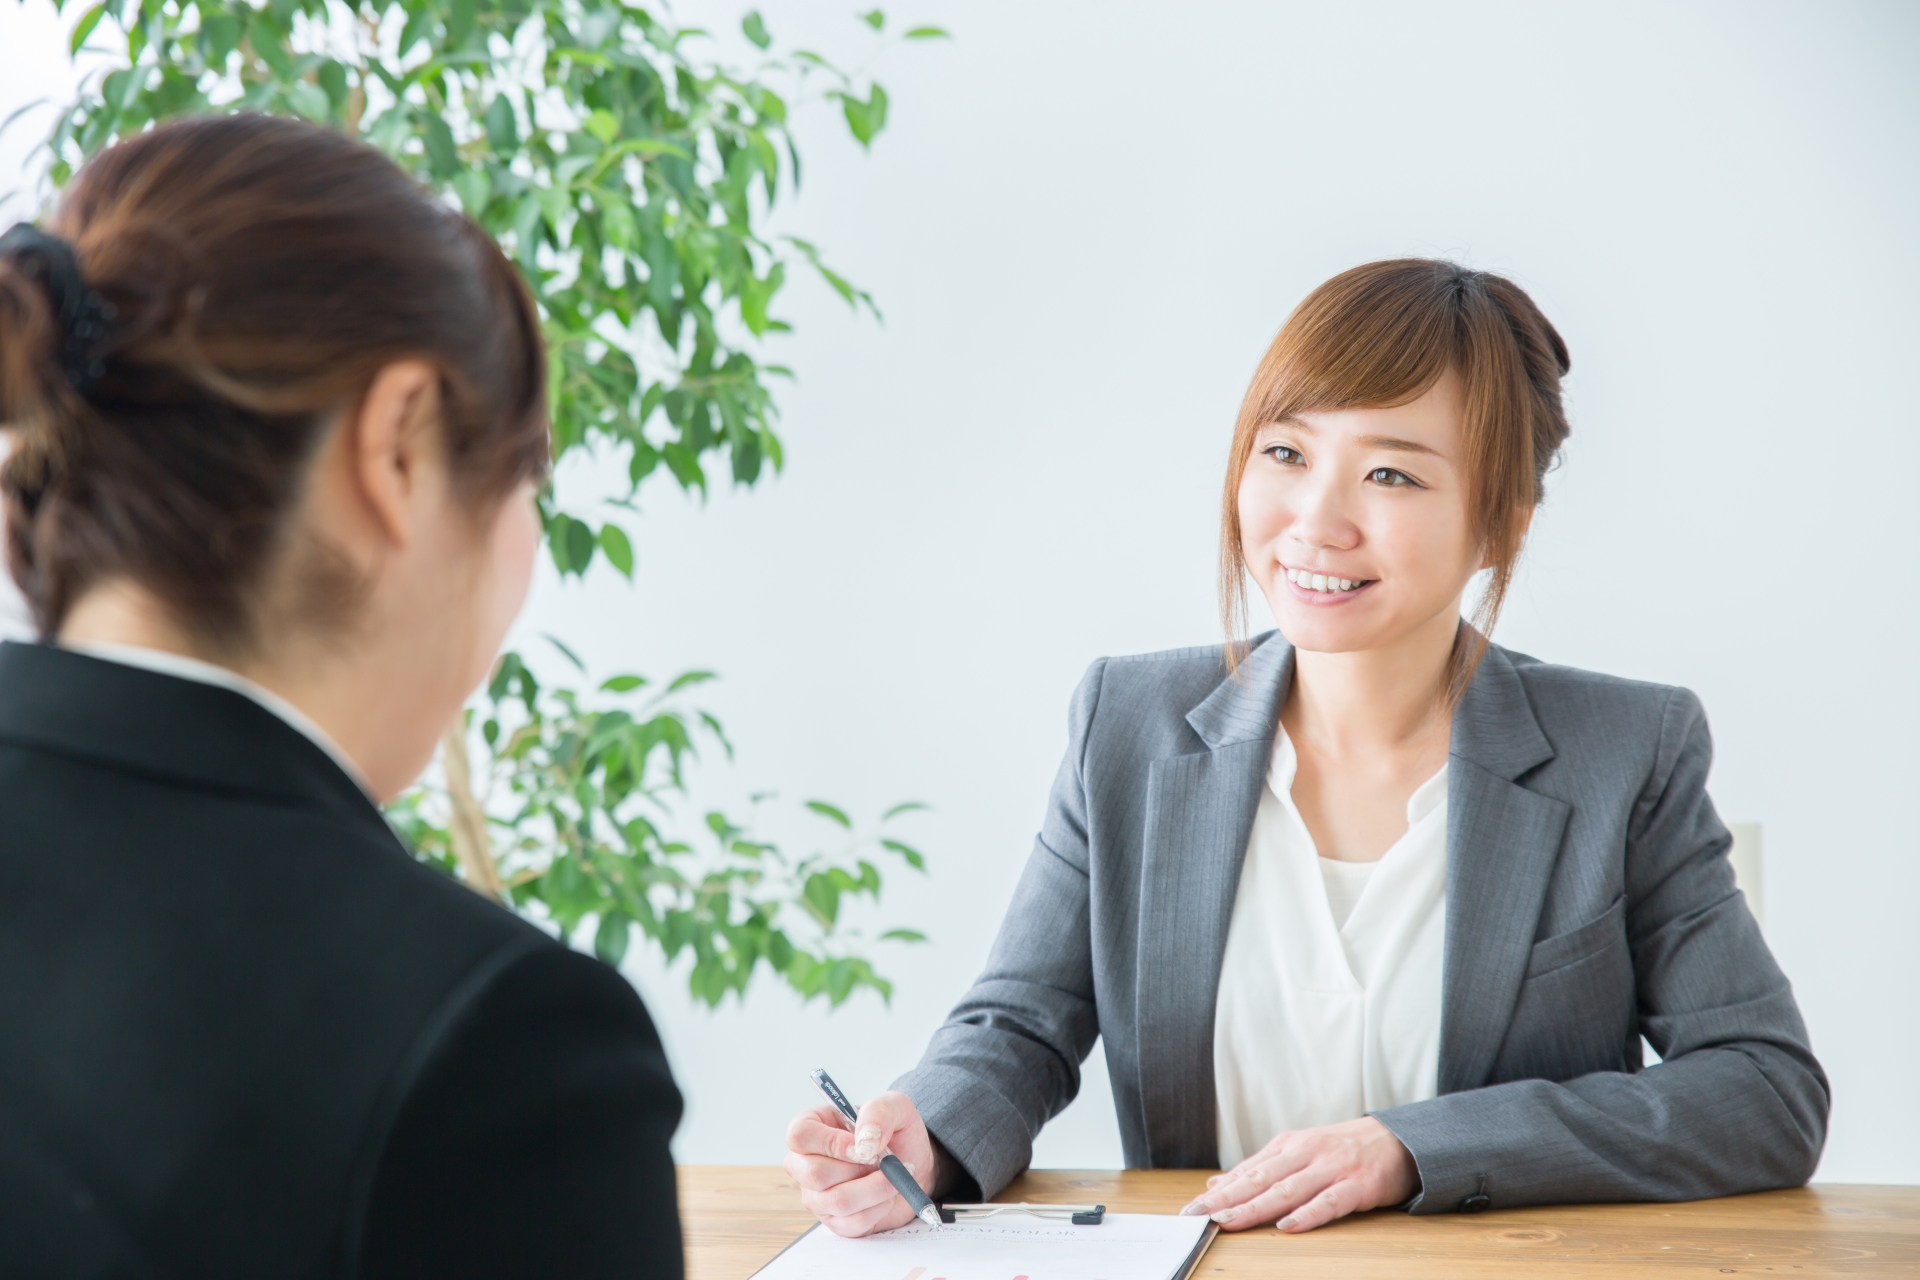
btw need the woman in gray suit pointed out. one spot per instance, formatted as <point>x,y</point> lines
<point>1369,911</point>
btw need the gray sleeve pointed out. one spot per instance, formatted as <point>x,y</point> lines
<point>1738,1102</point>
<point>1008,1057</point>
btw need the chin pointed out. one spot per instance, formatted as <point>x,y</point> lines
<point>1326,631</point>
<point>1323,639</point>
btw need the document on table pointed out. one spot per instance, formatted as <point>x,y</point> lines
<point>1127,1246</point>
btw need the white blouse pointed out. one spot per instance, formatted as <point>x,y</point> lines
<point>1329,1003</point>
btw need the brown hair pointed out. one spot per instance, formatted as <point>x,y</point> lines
<point>1381,335</point>
<point>258,273</point>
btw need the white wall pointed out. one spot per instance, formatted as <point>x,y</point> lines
<point>1085,223</point>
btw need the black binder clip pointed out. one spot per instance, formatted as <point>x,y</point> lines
<point>1081,1215</point>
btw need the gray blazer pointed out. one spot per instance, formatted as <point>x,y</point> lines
<point>1589,902</point>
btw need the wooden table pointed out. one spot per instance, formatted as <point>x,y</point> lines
<point>738,1218</point>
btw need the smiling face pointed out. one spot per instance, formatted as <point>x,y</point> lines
<point>1355,522</point>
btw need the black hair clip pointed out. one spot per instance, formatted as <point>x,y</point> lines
<point>86,319</point>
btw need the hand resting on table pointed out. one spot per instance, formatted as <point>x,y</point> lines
<point>1309,1177</point>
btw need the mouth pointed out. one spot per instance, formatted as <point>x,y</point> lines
<point>1325,588</point>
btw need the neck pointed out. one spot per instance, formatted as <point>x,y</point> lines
<point>1374,699</point>
<point>122,613</point>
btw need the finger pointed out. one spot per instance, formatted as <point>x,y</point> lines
<point>1337,1201</point>
<point>1280,1152</point>
<point>883,1218</point>
<point>821,1131</point>
<point>854,1196</point>
<point>1245,1181</point>
<point>1283,1197</point>
<point>880,1118</point>
<point>817,1173</point>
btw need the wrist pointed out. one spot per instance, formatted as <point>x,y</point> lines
<point>951,1181</point>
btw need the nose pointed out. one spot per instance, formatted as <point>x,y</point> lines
<point>1320,517</point>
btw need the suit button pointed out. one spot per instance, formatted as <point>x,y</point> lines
<point>1475,1203</point>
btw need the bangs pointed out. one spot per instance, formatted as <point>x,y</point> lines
<point>1375,337</point>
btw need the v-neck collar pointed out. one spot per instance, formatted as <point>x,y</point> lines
<point>1285,765</point>
<point>1329,951</point>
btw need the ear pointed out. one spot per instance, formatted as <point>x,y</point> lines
<point>388,437</point>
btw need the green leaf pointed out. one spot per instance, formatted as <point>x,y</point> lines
<point>903,935</point>
<point>905,807</point>
<point>823,896</point>
<point>461,15</point>
<point>503,132</point>
<point>621,684</point>
<point>442,157</point>
<point>619,551</point>
<point>779,951</point>
<point>755,29</point>
<point>866,118</point>
<point>220,34</point>
<point>565,651</point>
<point>687,679</point>
<point>418,24</point>
<point>90,20</point>
<point>914,857</point>
<point>268,37</point>
<point>580,545</point>
<point>841,975</point>
<point>928,33</point>
<point>119,88</point>
<point>826,810</point>
<point>475,189</point>
<point>610,939</point>
<point>874,18</point>
<point>310,101</point>
<point>603,125</point>
<point>332,78</point>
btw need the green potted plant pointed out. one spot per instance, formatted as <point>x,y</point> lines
<point>630,178</point>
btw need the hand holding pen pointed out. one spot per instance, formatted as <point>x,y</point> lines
<point>834,1160</point>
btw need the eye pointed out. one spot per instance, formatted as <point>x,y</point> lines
<point>1285,454</point>
<point>1391,479</point>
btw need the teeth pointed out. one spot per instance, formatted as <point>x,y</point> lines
<point>1320,581</point>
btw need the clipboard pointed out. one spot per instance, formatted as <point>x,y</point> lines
<point>1123,1247</point>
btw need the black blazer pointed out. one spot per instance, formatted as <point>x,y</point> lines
<point>243,1033</point>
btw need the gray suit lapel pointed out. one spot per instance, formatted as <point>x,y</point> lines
<point>1199,815</point>
<point>1502,842</point>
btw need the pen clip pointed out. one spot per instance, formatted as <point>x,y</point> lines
<point>824,1083</point>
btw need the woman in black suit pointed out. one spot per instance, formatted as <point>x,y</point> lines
<point>276,418</point>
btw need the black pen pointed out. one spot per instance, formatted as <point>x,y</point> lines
<point>917,1200</point>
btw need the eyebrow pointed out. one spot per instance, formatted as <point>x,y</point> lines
<point>1398,446</point>
<point>1391,443</point>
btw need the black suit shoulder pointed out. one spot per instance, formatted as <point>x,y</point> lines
<point>233,995</point>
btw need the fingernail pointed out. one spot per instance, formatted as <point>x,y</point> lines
<point>1194,1209</point>
<point>866,1145</point>
<point>1226,1215</point>
<point>1288,1223</point>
